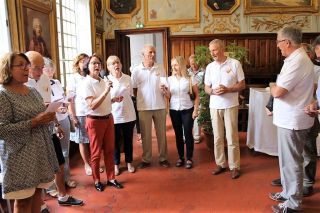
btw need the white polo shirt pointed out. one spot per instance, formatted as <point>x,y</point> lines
<point>147,81</point>
<point>94,88</point>
<point>179,89</point>
<point>228,74</point>
<point>297,77</point>
<point>74,87</point>
<point>57,93</point>
<point>42,86</point>
<point>123,111</point>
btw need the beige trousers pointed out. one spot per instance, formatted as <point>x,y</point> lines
<point>225,122</point>
<point>159,120</point>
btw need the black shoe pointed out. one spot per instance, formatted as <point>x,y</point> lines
<point>114,183</point>
<point>143,165</point>
<point>180,162</point>
<point>71,202</point>
<point>282,208</point>
<point>307,191</point>
<point>99,186</point>
<point>277,197</point>
<point>276,182</point>
<point>189,164</point>
<point>164,163</point>
<point>218,170</point>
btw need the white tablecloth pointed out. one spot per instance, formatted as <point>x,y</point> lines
<point>261,133</point>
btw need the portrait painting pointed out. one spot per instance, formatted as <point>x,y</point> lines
<point>221,7</point>
<point>37,31</point>
<point>280,6</point>
<point>171,12</point>
<point>123,8</point>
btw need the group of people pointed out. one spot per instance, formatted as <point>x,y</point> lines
<point>34,141</point>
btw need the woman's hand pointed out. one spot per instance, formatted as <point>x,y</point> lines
<point>117,99</point>
<point>75,121</point>
<point>195,114</point>
<point>62,110</point>
<point>108,86</point>
<point>43,118</point>
<point>59,131</point>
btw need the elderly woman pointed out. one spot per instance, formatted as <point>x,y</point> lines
<point>57,93</point>
<point>182,109</point>
<point>78,109</point>
<point>123,112</point>
<point>28,159</point>
<point>99,121</point>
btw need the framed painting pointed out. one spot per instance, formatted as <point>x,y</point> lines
<point>281,6</point>
<point>37,28</point>
<point>98,7</point>
<point>222,7</point>
<point>123,8</point>
<point>171,12</point>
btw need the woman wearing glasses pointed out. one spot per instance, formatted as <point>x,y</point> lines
<point>28,159</point>
<point>99,121</point>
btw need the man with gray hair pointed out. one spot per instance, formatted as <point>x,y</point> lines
<point>224,78</point>
<point>293,124</point>
<point>146,80</point>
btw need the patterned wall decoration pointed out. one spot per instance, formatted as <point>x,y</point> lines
<point>236,22</point>
<point>273,23</point>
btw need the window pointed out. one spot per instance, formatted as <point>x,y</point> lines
<point>74,33</point>
<point>4,29</point>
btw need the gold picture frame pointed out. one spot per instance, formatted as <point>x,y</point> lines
<point>171,12</point>
<point>124,8</point>
<point>288,6</point>
<point>221,7</point>
<point>99,7</point>
<point>38,28</point>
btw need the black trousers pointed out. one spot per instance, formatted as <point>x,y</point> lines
<point>123,131</point>
<point>182,123</point>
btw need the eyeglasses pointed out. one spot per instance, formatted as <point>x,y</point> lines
<point>21,66</point>
<point>95,63</point>
<point>277,41</point>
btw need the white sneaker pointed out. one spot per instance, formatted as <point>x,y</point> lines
<point>131,168</point>
<point>116,170</point>
<point>88,169</point>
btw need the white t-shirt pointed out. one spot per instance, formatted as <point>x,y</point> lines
<point>94,88</point>
<point>179,89</point>
<point>42,86</point>
<point>228,74</point>
<point>147,81</point>
<point>57,93</point>
<point>297,77</point>
<point>123,111</point>
<point>74,87</point>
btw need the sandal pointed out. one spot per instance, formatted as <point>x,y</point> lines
<point>101,170</point>
<point>189,164</point>
<point>71,184</point>
<point>180,162</point>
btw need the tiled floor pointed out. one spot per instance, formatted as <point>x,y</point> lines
<point>158,189</point>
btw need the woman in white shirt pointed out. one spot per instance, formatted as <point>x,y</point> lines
<point>78,107</point>
<point>123,112</point>
<point>57,93</point>
<point>99,121</point>
<point>182,110</point>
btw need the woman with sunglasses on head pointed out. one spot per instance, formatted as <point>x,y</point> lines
<point>28,159</point>
<point>99,121</point>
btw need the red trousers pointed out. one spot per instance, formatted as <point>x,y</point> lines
<point>101,136</point>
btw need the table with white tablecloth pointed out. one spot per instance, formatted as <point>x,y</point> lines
<point>261,133</point>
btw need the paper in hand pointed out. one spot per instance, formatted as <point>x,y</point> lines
<point>53,106</point>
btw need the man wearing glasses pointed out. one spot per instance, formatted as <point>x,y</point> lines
<point>292,92</point>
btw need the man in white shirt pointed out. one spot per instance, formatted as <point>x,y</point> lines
<point>42,84</point>
<point>224,78</point>
<point>292,92</point>
<point>196,73</point>
<point>151,105</point>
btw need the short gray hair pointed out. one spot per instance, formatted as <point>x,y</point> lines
<point>292,33</point>
<point>219,42</point>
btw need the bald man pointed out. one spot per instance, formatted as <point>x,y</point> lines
<point>42,84</point>
<point>151,105</point>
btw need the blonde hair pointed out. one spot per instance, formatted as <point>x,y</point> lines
<point>6,62</point>
<point>75,65</point>
<point>111,59</point>
<point>183,66</point>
